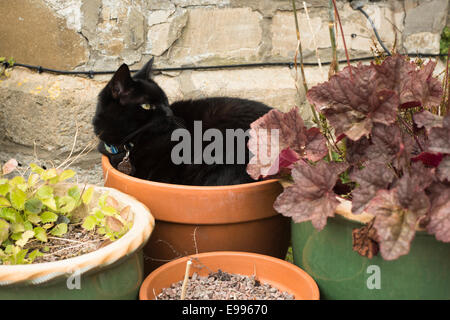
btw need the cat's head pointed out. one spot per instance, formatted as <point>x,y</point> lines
<point>127,103</point>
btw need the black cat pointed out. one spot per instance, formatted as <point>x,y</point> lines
<point>134,116</point>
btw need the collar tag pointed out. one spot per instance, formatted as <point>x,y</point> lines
<point>111,149</point>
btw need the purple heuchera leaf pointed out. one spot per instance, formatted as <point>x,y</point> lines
<point>397,210</point>
<point>394,223</point>
<point>412,184</point>
<point>438,130</point>
<point>439,217</point>
<point>373,94</point>
<point>279,139</point>
<point>440,137</point>
<point>311,198</point>
<point>286,159</point>
<point>423,88</point>
<point>390,145</point>
<point>373,177</point>
<point>428,158</point>
<point>415,87</point>
<point>427,120</point>
<point>443,171</point>
<point>356,150</point>
<point>353,104</point>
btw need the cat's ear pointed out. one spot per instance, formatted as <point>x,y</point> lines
<point>146,71</point>
<point>121,82</point>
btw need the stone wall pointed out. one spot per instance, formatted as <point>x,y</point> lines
<point>42,111</point>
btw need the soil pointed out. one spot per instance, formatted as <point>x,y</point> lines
<point>224,286</point>
<point>75,242</point>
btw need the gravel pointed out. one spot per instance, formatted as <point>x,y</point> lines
<point>224,286</point>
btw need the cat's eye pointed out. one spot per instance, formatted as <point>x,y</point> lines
<point>147,106</point>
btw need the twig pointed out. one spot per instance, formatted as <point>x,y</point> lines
<point>71,150</point>
<point>186,277</point>
<point>343,38</point>
<point>76,241</point>
<point>65,248</point>
<point>299,52</point>
<point>408,127</point>
<point>446,95</point>
<point>313,37</point>
<point>195,240</point>
<point>334,66</point>
<point>82,153</point>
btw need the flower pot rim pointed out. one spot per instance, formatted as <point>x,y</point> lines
<point>344,211</point>
<point>143,292</point>
<point>109,168</point>
<point>139,233</point>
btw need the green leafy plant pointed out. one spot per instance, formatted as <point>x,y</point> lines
<point>43,205</point>
<point>4,64</point>
<point>445,40</point>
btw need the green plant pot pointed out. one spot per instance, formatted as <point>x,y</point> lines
<point>114,271</point>
<point>121,280</point>
<point>342,273</point>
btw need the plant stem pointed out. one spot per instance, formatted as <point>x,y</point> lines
<point>408,127</point>
<point>314,38</point>
<point>334,64</point>
<point>185,281</point>
<point>444,107</point>
<point>343,38</point>
<point>300,53</point>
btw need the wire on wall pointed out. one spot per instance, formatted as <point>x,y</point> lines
<point>92,73</point>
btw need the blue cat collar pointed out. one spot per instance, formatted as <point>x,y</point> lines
<point>111,149</point>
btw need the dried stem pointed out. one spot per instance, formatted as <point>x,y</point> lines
<point>186,278</point>
<point>445,103</point>
<point>410,129</point>
<point>299,52</point>
<point>195,239</point>
<point>343,38</point>
<point>334,66</point>
<point>313,37</point>
<point>72,149</point>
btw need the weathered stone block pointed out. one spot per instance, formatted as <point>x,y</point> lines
<point>32,33</point>
<point>426,16</point>
<point>219,36</point>
<point>357,31</point>
<point>273,86</point>
<point>47,109</point>
<point>161,35</point>
<point>422,42</point>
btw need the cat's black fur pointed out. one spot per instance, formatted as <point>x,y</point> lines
<point>119,114</point>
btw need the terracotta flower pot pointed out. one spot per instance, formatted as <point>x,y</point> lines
<point>278,273</point>
<point>192,219</point>
<point>342,273</point>
<point>111,272</point>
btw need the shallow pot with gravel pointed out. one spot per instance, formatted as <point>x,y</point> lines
<point>62,240</point>
<point>228,275</point>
